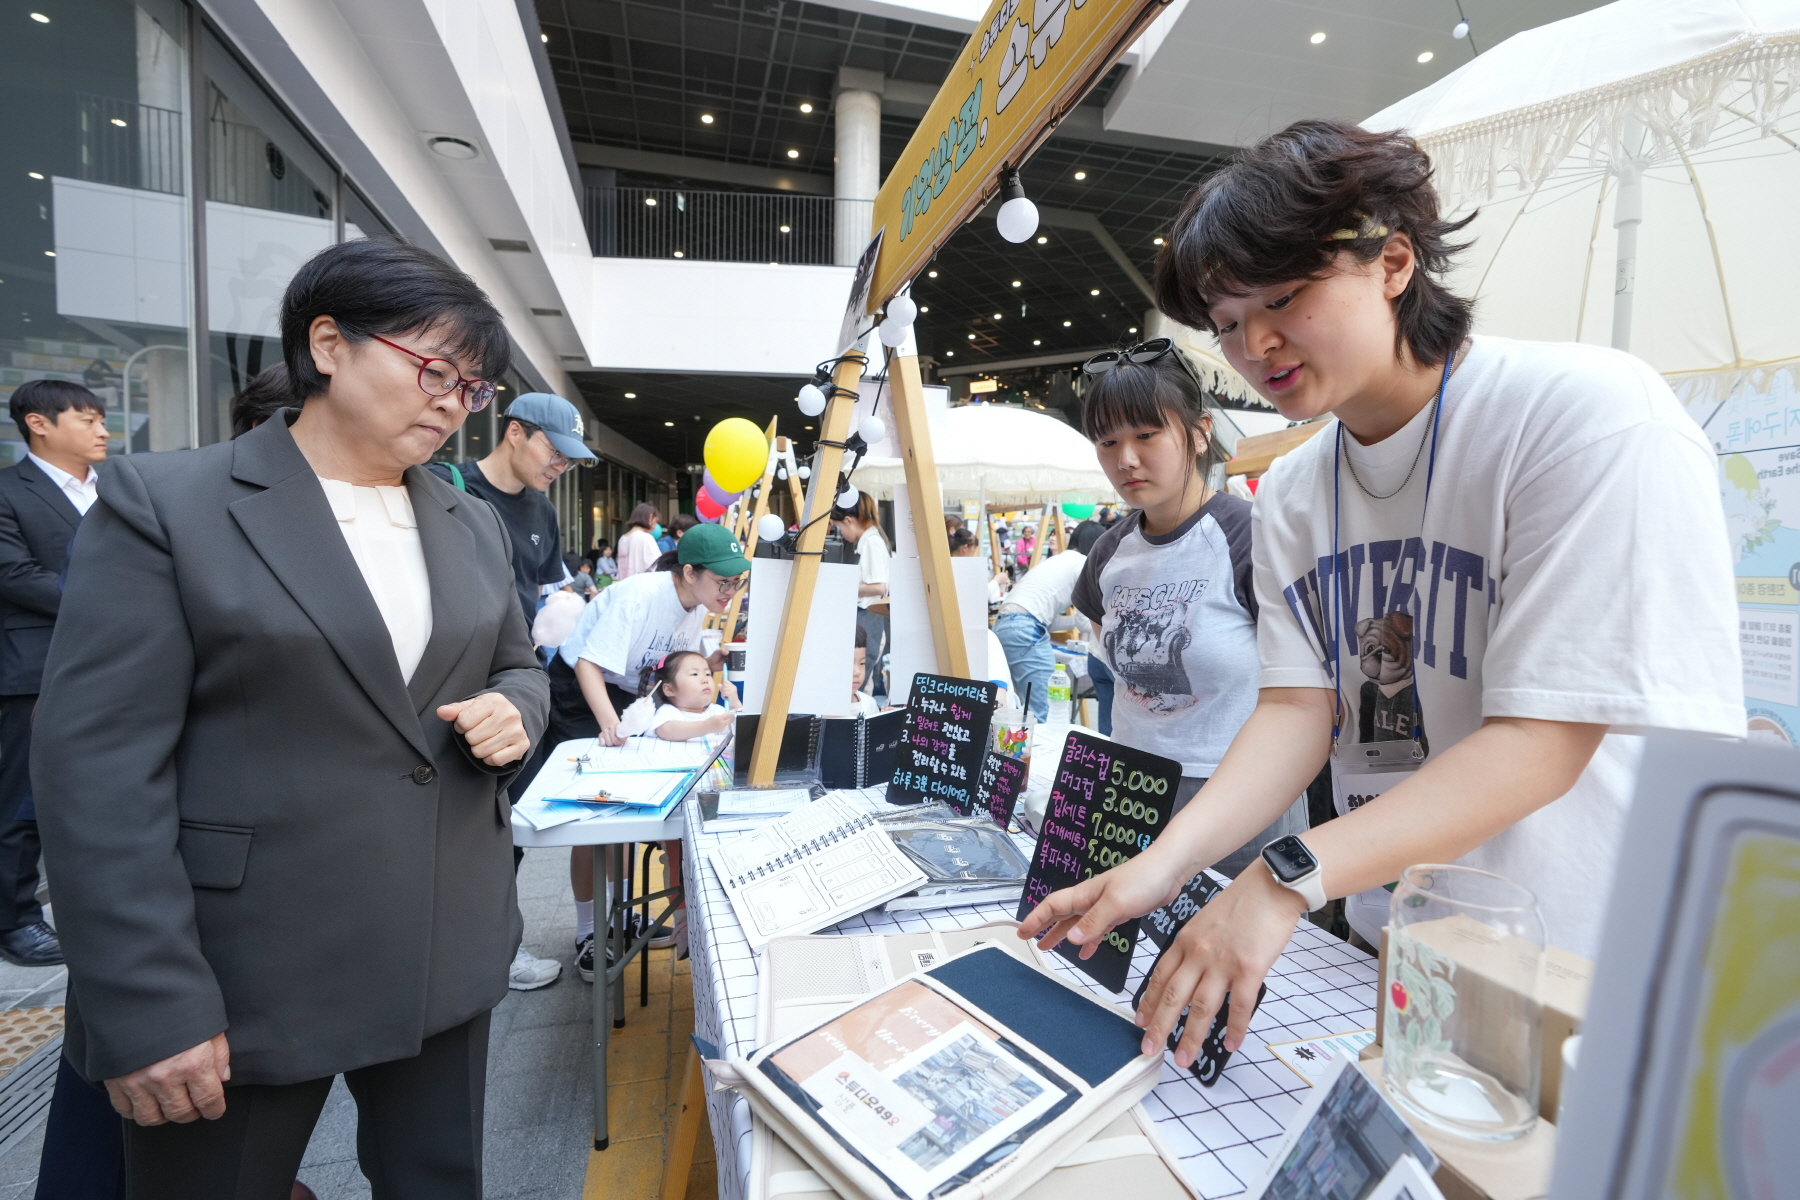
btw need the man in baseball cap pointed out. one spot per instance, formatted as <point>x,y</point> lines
<point>540,435</point>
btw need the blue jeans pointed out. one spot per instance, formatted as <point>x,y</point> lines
<point>1102,678</point>
<point>1028,657</point>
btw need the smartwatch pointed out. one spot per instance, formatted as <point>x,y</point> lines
<point>1297,869</point>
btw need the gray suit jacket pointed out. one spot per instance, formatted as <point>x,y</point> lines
<point>255,826</point>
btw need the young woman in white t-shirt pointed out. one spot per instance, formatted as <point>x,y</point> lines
<point>861,529</point>
<point>1567,585</point>
<point>1168,588</point>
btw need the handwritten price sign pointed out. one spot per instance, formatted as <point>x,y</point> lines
<point>1107,805</point>
<point>943,742</point>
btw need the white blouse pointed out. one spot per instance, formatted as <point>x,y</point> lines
<point>383,536</point>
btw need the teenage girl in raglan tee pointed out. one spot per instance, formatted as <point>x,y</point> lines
<point>1168,588</point>
<point>1525,536</point>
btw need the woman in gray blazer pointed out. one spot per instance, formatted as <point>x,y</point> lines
<point>289,685</point>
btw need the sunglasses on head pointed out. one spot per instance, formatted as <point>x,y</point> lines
<point>1141,354</point>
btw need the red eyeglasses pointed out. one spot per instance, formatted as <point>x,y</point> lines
<point>439,377</point>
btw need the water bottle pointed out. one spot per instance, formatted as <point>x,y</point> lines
<point>1061,691</point>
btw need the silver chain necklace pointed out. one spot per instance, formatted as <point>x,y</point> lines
<point>1417,455</point>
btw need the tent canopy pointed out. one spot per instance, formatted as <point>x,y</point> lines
<point>1005,454</point>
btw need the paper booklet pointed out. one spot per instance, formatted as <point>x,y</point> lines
<point>807,980</point>
<point>921,1091</point>
<point>811,869</point>
<point>645,777</point>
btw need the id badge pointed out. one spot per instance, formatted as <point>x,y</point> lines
<point>1363,771</point>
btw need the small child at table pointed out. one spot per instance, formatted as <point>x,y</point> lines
<point>861,703</point>
<point>678,701</point>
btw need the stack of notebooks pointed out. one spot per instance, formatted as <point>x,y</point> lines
<point>886,1070</point>
<point>647,777</point>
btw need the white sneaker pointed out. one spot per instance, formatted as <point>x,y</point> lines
<point>530,972</point>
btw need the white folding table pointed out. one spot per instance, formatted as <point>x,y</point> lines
<point>610,834</point>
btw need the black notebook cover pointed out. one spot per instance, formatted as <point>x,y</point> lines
<point>793,763</point>
<point>858,752</point>
<point>1088,1039</point>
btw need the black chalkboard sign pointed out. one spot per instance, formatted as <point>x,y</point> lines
<point>1003,780</point>
<point>943,742</point>
<point>1161,926</point>
<point>1107,804</point>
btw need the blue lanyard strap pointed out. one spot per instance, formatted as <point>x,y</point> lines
<point>1340,597</point>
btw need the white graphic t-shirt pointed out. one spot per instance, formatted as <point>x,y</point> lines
<point>1176,621</point>
<point>1572,566</point>
<point>631,625</point>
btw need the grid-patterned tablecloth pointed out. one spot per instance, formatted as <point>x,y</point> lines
<point>1223,1134</point>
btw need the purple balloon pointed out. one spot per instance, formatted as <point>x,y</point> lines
<point>720,495</point>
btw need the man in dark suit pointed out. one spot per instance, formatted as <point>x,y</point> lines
<point>42,501</point>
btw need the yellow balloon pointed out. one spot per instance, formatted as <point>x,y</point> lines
<point>736,453</point>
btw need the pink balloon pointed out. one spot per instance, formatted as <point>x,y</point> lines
<point>708,508</point>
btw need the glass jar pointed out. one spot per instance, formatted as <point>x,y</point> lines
<point>1463,1035</point>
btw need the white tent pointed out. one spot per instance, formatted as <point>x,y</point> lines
<point>1005,454</point>
<point>1637,174</point>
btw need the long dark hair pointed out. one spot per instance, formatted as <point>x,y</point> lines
<point>1162,392</point>
<point>1285,208</point>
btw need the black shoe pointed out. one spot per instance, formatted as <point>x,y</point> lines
<point>584,958</point>
<point>33,946</point>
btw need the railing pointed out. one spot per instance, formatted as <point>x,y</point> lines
<point>626,222</point>
<point>141,146</point>
<point>131,145</point>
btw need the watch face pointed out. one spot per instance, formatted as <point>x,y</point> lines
<point>1289,858</point>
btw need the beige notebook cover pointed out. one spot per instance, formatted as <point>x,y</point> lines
<point>808,980</point>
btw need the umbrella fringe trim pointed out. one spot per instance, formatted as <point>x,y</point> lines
<point>1678,104</point>
<point>1708,388</point>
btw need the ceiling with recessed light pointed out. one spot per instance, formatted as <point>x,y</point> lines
<point>644,75</point>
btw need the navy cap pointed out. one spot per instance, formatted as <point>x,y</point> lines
<point>560,421</point>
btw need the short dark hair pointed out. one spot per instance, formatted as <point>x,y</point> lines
<point>384,287</point>
<point>1285,208</point>
<point>862,638</point>
<point>680,523</point>
<point>643,516</point>
<point>1160,392</point>
<point>267,393</point>
<point>50,398</point>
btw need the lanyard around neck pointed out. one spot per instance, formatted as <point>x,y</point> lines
<point>1339,597</point>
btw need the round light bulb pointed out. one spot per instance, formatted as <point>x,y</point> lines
<point>902,309</point>
<point>805,472</point>
<point>1017,219</point>
<point>849,496</point>
<point>873,429</point>
<point>893,332</point>
<point>1461,31</point>
<point>770,527</point>
<point>812,400</point>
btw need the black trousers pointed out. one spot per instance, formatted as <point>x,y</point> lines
<point>19,845</point>
<point>418,1132</point>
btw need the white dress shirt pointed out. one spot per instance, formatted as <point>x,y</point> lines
<point>383,535</point>
<point>81,492</point>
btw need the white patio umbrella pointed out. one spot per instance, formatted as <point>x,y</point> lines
<point>1637,174</point>
<point>1007,455</point>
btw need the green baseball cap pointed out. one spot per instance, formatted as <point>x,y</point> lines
<point>713,547</point>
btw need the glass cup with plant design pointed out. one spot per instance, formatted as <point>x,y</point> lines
<point>1462,1042</point>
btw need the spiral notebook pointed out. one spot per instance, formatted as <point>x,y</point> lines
<point>836,752</point>
<point>811,869</point>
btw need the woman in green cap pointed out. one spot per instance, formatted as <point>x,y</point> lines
<point>627,627</point>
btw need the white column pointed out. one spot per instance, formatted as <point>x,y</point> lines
<point>858,170</point>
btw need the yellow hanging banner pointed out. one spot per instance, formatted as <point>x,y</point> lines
<point>1026,65</point>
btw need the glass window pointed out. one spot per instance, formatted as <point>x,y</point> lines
<point>269,207</point>
<point>94,216</point>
